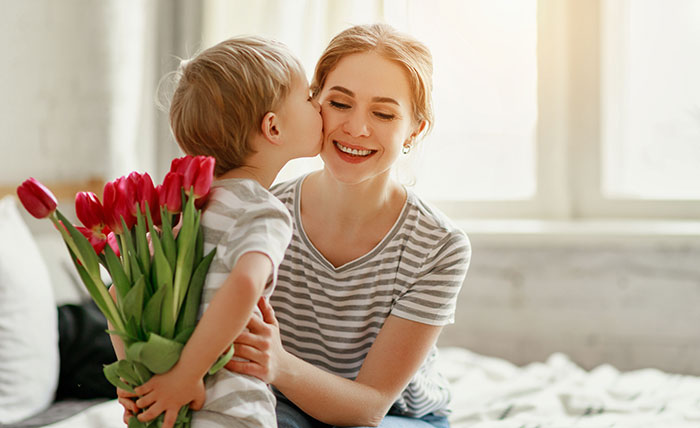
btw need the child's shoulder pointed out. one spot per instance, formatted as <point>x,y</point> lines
<point>286,191</point>
<point>232,195</point>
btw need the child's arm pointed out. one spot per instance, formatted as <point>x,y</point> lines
<point>224,319</point>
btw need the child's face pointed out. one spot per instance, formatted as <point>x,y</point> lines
<point>301,120</point>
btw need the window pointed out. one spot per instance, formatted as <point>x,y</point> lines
<point>546,109</point>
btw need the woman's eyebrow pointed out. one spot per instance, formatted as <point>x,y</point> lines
<point>350,93</point>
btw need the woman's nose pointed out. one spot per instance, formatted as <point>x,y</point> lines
<point>316,105</point>
<point>356,125</point>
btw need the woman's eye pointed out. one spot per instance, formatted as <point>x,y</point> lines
<point>384,116</point>
<point>338,105</point>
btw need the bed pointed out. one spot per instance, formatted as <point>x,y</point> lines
<point>491,392</point>
<point>487,391</point>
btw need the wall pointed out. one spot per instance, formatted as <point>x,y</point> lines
<point>629,301</point>
<point>78,86</point>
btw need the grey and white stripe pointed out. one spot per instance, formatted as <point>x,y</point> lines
<point>240,216</point>
<point>331,316</point>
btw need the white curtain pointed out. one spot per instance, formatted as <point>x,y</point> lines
<point>79,81</point>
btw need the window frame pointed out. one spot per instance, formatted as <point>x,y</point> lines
<point>569,130</point>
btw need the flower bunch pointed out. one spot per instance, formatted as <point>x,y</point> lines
<point>149,240</point>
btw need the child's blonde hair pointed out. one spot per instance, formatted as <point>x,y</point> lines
<point>413,56</point>
<point>224,92</point>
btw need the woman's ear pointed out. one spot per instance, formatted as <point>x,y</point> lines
<point>419,129</point>
<point>270,128</point>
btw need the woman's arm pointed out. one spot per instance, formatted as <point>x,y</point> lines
<point>398,351</point>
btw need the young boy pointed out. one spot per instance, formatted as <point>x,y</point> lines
<point>245,102</point>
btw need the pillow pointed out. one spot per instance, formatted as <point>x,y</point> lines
<point>28,322</point>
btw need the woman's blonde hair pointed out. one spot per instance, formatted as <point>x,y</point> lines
<point>393,45</point>
<point>224,92</point>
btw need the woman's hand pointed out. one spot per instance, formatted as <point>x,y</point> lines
<point>261,345</point>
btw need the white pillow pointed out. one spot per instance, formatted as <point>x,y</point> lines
<point>28,322</point>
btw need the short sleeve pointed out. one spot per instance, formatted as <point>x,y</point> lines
<point>266,229</point>
<point>432,296</point>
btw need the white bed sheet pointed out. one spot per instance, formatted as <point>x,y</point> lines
<point>493,393</point>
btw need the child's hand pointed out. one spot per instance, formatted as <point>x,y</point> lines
<point>167,393</point>
<point>125,398</point>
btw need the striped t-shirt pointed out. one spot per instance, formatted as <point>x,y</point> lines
<point>331,316</point>
<point>241,216</point>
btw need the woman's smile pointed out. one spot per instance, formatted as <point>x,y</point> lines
<point>352,153</point>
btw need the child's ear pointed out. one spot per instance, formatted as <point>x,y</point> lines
<point>270,128</point>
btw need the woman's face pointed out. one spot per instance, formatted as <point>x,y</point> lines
<point>367,117</point>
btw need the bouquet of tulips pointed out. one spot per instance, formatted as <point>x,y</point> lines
<point>149,240</point>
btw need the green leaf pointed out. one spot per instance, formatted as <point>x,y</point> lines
<point>116,271</point>
<point>135,423</point>
<point>151,313</point>
<point>142,372</point>
<point>158,354</point>
<point>184,415</point>
<point>184,335</point>
<point>185,255</point>
<point>199,243</point>
<point>190,309</point>
<point>101,296</point>
<point>111,372</point>
<point>221,362</point>
<point>143,253</point>
<point>126,371</point>
<point>129,256</point>
<point>133,302</point>
<point>167,316</point>
<point>169,247</point>
<point>86,253</point>
<point>164,274</point>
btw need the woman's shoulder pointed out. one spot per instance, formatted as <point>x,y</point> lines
<point>433,228</point>
<point>430,217</point>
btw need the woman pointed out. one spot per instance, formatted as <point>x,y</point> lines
<point>372,273</point>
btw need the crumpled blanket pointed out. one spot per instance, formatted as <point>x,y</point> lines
<point>491,392</point>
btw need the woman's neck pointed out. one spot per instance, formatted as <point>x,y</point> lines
<point>352,205</point>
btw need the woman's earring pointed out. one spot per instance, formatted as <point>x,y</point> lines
<point>407,147</point>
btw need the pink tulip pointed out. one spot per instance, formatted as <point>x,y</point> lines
<point>204,177</point>
<point>146,192</point>
<point>98,239</point>
<point>119,201</point>
<point>179,165</point>
<point>36,198</point>
<point>199,175</point>
<point>169,194</point>
<point>89,210</point>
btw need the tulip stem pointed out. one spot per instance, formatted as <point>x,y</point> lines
<point>125,254</point>
<point>66,236</point>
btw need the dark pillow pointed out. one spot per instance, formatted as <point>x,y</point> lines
<point>84,347</point>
